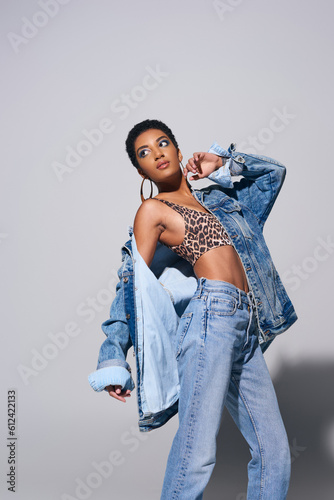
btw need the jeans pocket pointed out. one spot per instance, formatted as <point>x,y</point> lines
<point>223,306</point>
<point>182,331</point>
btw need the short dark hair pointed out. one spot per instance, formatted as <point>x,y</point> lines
<point>142,127</point>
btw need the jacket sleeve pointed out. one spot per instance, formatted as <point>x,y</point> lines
<point>262,179</point>
<point>112,367</point>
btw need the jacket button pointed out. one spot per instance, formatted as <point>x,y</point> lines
<point>126,279</point>
<point>128,316</point>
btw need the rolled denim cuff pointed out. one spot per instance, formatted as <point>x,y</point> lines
<point>223,174</point>
<point>111,375</point>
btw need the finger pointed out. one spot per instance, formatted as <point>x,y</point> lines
<point>198,156</point>
<point>194,177</point>
<point>199,168</point>
<point>119,397</point>
<point>116,396</point>
<point>117,393</point>
<point>192,162</point>
<point>191,166</point>
<point>187,169</point>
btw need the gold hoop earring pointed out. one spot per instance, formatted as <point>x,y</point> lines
<point>141,190</point>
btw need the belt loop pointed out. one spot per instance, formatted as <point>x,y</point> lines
<point>200,287</point>
<point>239,304</point>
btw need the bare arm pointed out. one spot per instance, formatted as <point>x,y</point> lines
<point>147,229</point>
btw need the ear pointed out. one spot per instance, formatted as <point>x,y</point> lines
<point>179,155</point>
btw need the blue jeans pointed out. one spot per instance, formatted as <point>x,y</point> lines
<point>221,363</point>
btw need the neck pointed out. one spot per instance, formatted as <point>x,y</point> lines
<point>181,187</point>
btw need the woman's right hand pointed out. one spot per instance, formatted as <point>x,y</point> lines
<point>116,392</point>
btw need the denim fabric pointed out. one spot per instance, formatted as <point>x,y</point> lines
<point>217,340</point>
<point>150,301</point>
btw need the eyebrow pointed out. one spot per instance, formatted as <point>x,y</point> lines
<point>158,139</point>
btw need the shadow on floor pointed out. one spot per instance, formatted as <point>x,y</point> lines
<point>306,399</point>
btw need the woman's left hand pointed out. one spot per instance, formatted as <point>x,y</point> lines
<point>202,165</point>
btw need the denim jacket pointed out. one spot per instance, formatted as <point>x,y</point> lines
<point>150,300</point>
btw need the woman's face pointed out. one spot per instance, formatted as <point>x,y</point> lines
<point>157,156</point>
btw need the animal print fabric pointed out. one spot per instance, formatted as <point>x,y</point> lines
<point>203,231</point>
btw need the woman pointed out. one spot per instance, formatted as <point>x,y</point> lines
<point>200,299</point>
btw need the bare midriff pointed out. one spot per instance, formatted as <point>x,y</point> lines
<point>224,264</point>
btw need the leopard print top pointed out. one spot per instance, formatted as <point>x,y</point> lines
<point>203,232</point>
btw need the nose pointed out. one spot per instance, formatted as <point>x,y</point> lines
<point>159,154</point>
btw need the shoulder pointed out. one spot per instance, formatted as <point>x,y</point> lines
<point>149,212</point>
<point>148,208</point>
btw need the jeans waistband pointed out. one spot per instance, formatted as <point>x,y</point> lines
<point>205,285</point>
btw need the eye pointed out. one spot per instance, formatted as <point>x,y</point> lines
<point>142,153</point>
<point>164,141</point>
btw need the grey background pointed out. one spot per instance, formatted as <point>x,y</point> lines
<point>226,76</point>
